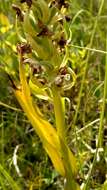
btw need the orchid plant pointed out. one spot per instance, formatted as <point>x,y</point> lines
<point>43,30</point>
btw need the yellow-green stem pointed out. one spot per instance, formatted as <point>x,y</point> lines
<point>59,113</point>
<point>67,157</point>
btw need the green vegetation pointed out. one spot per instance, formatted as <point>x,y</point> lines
<point>53,79</point>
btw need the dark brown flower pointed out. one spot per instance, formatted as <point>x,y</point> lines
<point>62,42</point>
<point>36,69</point>
<point>67,18</point>
<point>60,3</point>
<point>44,30</point>
<point>29,2</point>
<point>23,48</point>
<point>63,70</point>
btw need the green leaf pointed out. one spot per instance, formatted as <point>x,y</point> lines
<point>10,180</point>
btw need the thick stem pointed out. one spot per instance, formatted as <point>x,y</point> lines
<point>59,113</point>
